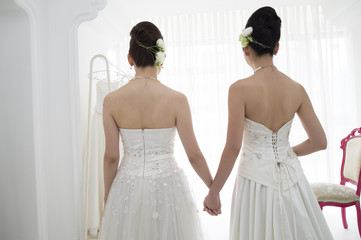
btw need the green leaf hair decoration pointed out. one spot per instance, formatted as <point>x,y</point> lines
<point>157,51</point>
<point>245,38</point>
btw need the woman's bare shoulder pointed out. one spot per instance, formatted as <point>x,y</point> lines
<point>172,94</point>
<point>115,94</point>
<point>297,87</point>
<point>116,97</point>
<point>291,81</point>
<point>241,85</point>
<point>296,90</point>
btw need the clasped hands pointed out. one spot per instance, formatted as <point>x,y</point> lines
<point>212,204</point>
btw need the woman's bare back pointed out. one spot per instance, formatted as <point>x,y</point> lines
<point>271,98</point>
<point>143,104</point>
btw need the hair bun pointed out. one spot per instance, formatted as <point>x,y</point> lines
<point>273,21</point>
<point>266,29</point>
<point>146,33</point>
<point>139,34</point>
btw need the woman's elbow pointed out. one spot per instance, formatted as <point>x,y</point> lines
<point>195,158</point>
<point>110,159</point>
<point>323,144</point>
<point>233,149</point>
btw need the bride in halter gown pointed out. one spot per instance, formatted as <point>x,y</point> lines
<point>148,196</point>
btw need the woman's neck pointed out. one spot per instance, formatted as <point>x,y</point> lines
<point>146,71</point>
<point>264,60</point>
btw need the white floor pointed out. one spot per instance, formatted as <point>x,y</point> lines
<point>333,217</point>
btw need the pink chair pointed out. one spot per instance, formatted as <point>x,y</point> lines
<point>339,195</point>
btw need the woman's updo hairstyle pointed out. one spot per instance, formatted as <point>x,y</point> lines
<point>266,30</point>
<point>147,34</point>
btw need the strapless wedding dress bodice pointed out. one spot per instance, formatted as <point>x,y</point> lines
<point>150,197</point>
<point>148,152</point>
<point>267,156</point>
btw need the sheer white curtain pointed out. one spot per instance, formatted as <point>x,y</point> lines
<point>204,58</point>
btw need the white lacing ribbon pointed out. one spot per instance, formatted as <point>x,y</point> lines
<point>277,169</point>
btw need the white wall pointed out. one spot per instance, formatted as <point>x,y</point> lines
<point>18,207</point>
<point>40,131</point>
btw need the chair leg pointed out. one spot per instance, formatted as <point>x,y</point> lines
<point>358,217</point>
<point>344,221</point>
<point>321,205</point>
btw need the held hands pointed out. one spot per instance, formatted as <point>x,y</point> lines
<point>212,204</point>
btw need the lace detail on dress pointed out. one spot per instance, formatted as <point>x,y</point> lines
<point>274,145</point>
<point>150,197</point>
<point>148,152</point>
<point>267,156</point>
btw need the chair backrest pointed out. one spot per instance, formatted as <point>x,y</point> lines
<point>351,162</point>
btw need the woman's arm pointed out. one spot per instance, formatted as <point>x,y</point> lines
<point>189,141</point>
<point>236,118</point>
<point>316,136</point>
<point>111,155</point>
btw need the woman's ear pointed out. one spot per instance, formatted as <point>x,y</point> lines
<point>246,51</point>
<point>276,49</point>
<point>130,60</point>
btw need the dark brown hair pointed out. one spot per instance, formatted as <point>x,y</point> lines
<point>147,34</point>
<point>266,30</point>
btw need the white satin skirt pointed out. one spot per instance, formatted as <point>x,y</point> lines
<point>262,213</point>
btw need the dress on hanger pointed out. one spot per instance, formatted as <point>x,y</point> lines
<point>96,156</point>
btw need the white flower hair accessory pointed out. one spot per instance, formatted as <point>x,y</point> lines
<point>158,51</point>
<point>160,55</point>
<point>246,37</point>
<point>159,58</point>
<point>160,44</point>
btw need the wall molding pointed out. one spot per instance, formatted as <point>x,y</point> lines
<point>44,32</point>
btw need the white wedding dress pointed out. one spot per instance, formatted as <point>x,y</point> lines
<point>150,198</point>
<point>272,199</point>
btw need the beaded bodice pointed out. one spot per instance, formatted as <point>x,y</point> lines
<point>267,156</point>
<point>264,143</point>
<point>148,152</point>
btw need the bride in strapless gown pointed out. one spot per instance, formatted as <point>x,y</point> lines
<point>147,196</point>
<point>272,199</point>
